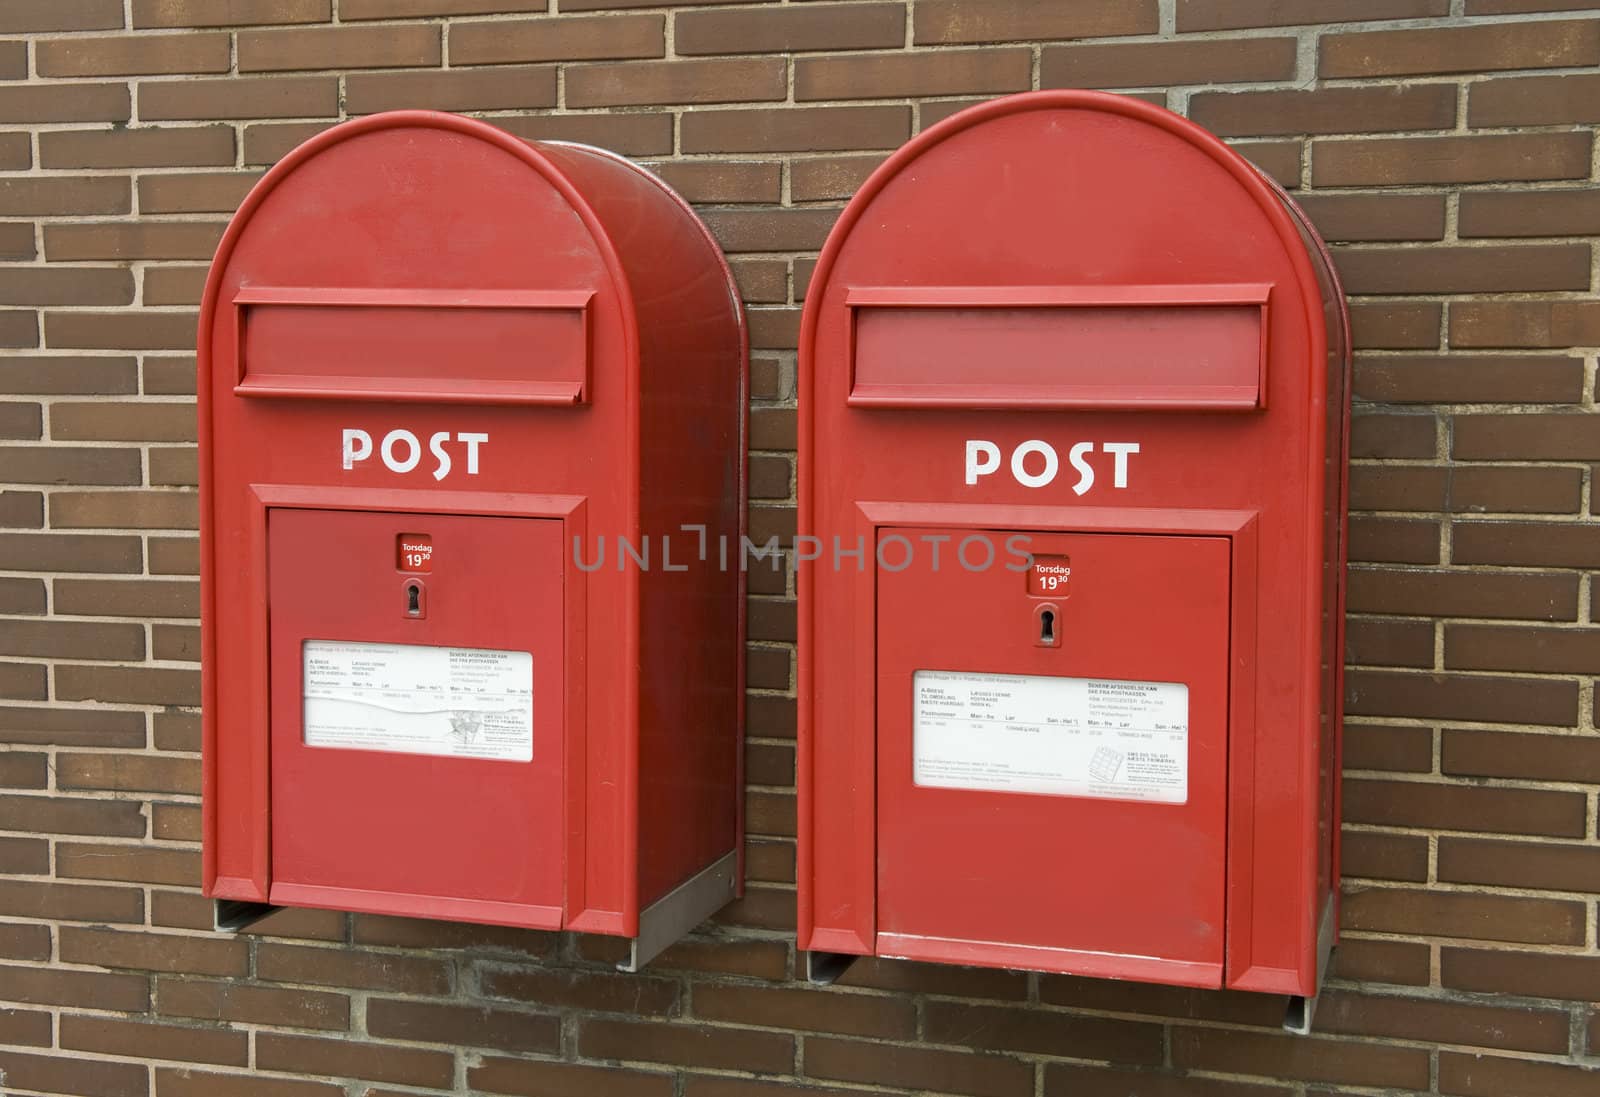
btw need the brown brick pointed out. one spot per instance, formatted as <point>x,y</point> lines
<point>175,822</point>
<point>941,979</point>
<point>174,286</point>
<point>24,857</point>
<point>806,1010</point>
<point>537,1078</point>
<point>917,1068</point>
<point>24,941</point>
<point>1489,647</point>
<point>338,48</point>
<point>16,152</point>
<point>632,134</point>
<point>70,640</point>
<point>188,146</point>
<point>68,552</point>
<point>826,178</point>
<point>948,22</point>
<point>27,16</point>
<point>796,129</point>
<point>466,1026</point>
<point>174,556</point>
<point>56,1073</point>
<point>124,510</point>
<point>128,330</point>
<point>1246,14</point>
<point>1533,974</point>
<point>134,864</point>
<point>1374,217</point>
<point>411,9</point>
<point>1300,1057</point>
<point>1142,64</point>
<point>194,192</point>
<point>1530,213</point>
<point>75,902</point>
<point>66,374</point>
<point>493,89</point>
<point>1534,100</point>
<point>758,959</point>
<point>128,772</point>
<point>1030,1030</point>
<point>23,769</point>
<point>1393,437</point>
<point>427,933</point>
<point>1419,912</point>
<point>1491,1076</point>
<point>1487,158</point>
<point>1527,544</point>
<point>1374,856</point>
<point>69,195</point>
<point>1462,49</point>
<point>127,597</point>
<point>1500,7</point>
<point>21,509</point>
<point>143,950</point>
<point>210,1000</point>
<point>1404,963</point>
<point>1430,1020</point>
<point>788,29</point>
<point>1536,865</point>
<point>143,422</point>
<point>1395,749</point>
<point>212,13</point>
<point>1475,269</point>
<point>36,103</point>
<point>1464,807</point>
<point>1526,437</point>
<point>686,1045</point>
<point>173,1082</point>
<point>558,38</point>
<point>711,1085</point>
<point>175,643</point>
<point>25,1028</point>
<point>65,285</point>
<point>771,620</point>
<point>345,968</point>
<point>96,990</point>
<point>1395,487</point>
<point>761,281</point>
<point>1525,323</point>
<point>243,97</point>
<point>18,420</point>
<point>1522,754</point>
<point>122,55</point>
<point>1462,697</point>
<point>340,1058</point>
<point>62,815</point>
<point>1395,325</point>
<point>80,728</point>
<point>1469,379</point>
<point>724,181</point>
<point>738,80</point>
<point>1515,489</point>
<point>770,230</point>
<point>899,75</point>
<point>24,681</point>
<point>112,1036</point>
<point>582,990</point>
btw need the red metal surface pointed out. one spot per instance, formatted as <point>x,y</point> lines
<point>1031,320</point>
<point>419,324</point>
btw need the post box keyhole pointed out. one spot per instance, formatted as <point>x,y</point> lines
<point>1047,622</point>
<point>414,605</point>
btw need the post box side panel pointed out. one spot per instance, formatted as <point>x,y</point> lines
<point>434,209</point>
<point>691,408</point>
<point>1076,190</point>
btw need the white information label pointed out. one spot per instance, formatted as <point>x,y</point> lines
<point>1059,736</point>
<point>409,699</point>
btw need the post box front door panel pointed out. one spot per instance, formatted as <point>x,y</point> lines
<point>1031,791</point>
<point>379,624</point>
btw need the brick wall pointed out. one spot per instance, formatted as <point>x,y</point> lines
<point>1445,146</point>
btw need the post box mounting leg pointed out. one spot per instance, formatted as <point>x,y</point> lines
<point>825,968</point>
<point>233,915</point>
<point>680,910</point>
<point>1301,1011</point>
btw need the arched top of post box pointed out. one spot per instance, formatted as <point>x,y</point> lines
<point>589,200</point>
<point>907,265</point>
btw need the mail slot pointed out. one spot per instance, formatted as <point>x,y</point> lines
<point>1073,440</point>
<point>461,396</point>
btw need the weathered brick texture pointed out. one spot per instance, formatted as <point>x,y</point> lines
<point>1446,149</point>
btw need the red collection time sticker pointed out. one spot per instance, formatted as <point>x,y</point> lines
<point>414,552</point>
<point>1048,575</point>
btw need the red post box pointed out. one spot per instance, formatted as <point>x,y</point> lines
<point>461,396</point>
<point>1073,432</point>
